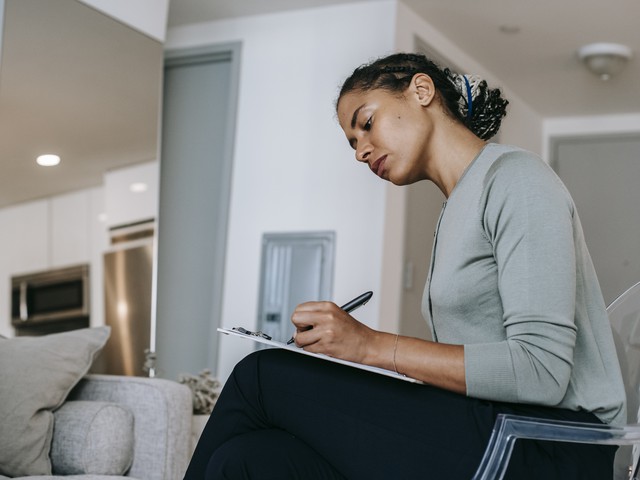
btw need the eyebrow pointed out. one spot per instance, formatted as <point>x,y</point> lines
<point>354,118</point>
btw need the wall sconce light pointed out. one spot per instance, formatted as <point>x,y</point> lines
<point>605,59</point>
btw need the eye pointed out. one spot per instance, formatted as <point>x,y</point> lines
<point>367,126</point>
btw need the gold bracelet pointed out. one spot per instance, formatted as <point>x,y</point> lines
<point>395,348</point>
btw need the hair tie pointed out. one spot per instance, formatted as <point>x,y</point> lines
<point>469,88</point>
<point>469,98</point>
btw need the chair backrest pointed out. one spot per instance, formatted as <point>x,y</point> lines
<point>624,315</point>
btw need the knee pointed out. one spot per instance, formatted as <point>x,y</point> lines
<point>250,365</point>
<point>250,361</point>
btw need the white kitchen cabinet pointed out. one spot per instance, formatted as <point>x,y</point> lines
<point>79,235</point>
<point>24,243</point>
<point>131,194</point>
<point>25,237</point>
<point>70,229</point>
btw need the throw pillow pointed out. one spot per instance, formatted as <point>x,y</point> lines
<point>92,438</point>
<point>36,375</point>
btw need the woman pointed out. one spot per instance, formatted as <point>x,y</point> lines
<point>516,314</point>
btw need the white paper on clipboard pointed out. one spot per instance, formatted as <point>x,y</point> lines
<point>293,348</point>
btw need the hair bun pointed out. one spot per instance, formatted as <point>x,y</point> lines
<point>480,108</point>
<point>469,88</point>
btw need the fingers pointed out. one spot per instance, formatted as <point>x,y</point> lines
<point>320,337</point>
<point>316,307</point>
<point>306,338</point>
<point>322,327</point>
<point>314,322</point>
<point>308,315</point>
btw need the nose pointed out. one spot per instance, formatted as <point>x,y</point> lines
<point>363,151</point>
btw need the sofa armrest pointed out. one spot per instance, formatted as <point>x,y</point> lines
<point>92,438</point>
<point>162,411</point>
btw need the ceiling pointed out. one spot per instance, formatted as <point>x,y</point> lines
<point>539,63</point>
<point>77,82</point>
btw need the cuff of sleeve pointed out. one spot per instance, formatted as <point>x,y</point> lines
<point>489,372</point>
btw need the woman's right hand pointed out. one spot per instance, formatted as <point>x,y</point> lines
<point>323,327</point>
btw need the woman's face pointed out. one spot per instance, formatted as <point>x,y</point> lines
<point>389,132</point>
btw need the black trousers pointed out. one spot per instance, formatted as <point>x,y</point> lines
<point>287,416</point>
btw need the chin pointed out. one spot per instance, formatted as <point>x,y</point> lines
<point>402,180</point>
<point>401,176</point>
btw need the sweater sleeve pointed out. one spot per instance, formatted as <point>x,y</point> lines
<point>527,218</point>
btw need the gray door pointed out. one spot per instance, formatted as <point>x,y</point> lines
<point>195,165</point>
<point>602,175</point>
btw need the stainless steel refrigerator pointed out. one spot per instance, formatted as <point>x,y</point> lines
<point>128,271</point>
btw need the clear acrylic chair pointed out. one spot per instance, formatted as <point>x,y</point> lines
<point>624,314</point>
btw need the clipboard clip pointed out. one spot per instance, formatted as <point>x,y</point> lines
<point>254,334</point>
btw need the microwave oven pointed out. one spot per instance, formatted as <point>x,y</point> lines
<point>57,295</point>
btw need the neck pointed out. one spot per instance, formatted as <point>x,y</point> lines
<point>452,152</point>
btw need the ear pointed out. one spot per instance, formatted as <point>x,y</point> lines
<point>423,88</point>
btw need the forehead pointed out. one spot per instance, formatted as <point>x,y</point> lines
<point>348,103</point>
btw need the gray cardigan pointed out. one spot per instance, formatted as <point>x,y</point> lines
<point>511,279</point>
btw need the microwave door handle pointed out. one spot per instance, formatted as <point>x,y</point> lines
<point>24,312</point>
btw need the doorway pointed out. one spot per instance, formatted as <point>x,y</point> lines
<point>199,105</point>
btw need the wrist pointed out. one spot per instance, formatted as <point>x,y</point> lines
<point>380,350</point>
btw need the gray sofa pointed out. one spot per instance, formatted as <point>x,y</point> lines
<point>139,426</point>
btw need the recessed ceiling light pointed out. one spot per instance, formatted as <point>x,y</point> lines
<point>48,160</point>
<point>138,187</point>
<point>509,29</point>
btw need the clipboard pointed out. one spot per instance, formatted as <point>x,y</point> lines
<point>293,348</point>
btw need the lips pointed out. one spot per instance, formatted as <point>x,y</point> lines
<point>378,166</point>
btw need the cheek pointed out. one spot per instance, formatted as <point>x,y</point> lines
<point>389,133</point>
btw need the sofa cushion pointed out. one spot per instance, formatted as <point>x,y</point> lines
<point>92,438</point>
<point>36,374</point>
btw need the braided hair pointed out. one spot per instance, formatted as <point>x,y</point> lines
<point>467,98</point>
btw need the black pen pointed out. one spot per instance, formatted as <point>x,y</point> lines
<point>349,306</point>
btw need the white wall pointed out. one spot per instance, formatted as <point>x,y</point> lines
<point>293,169</point>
